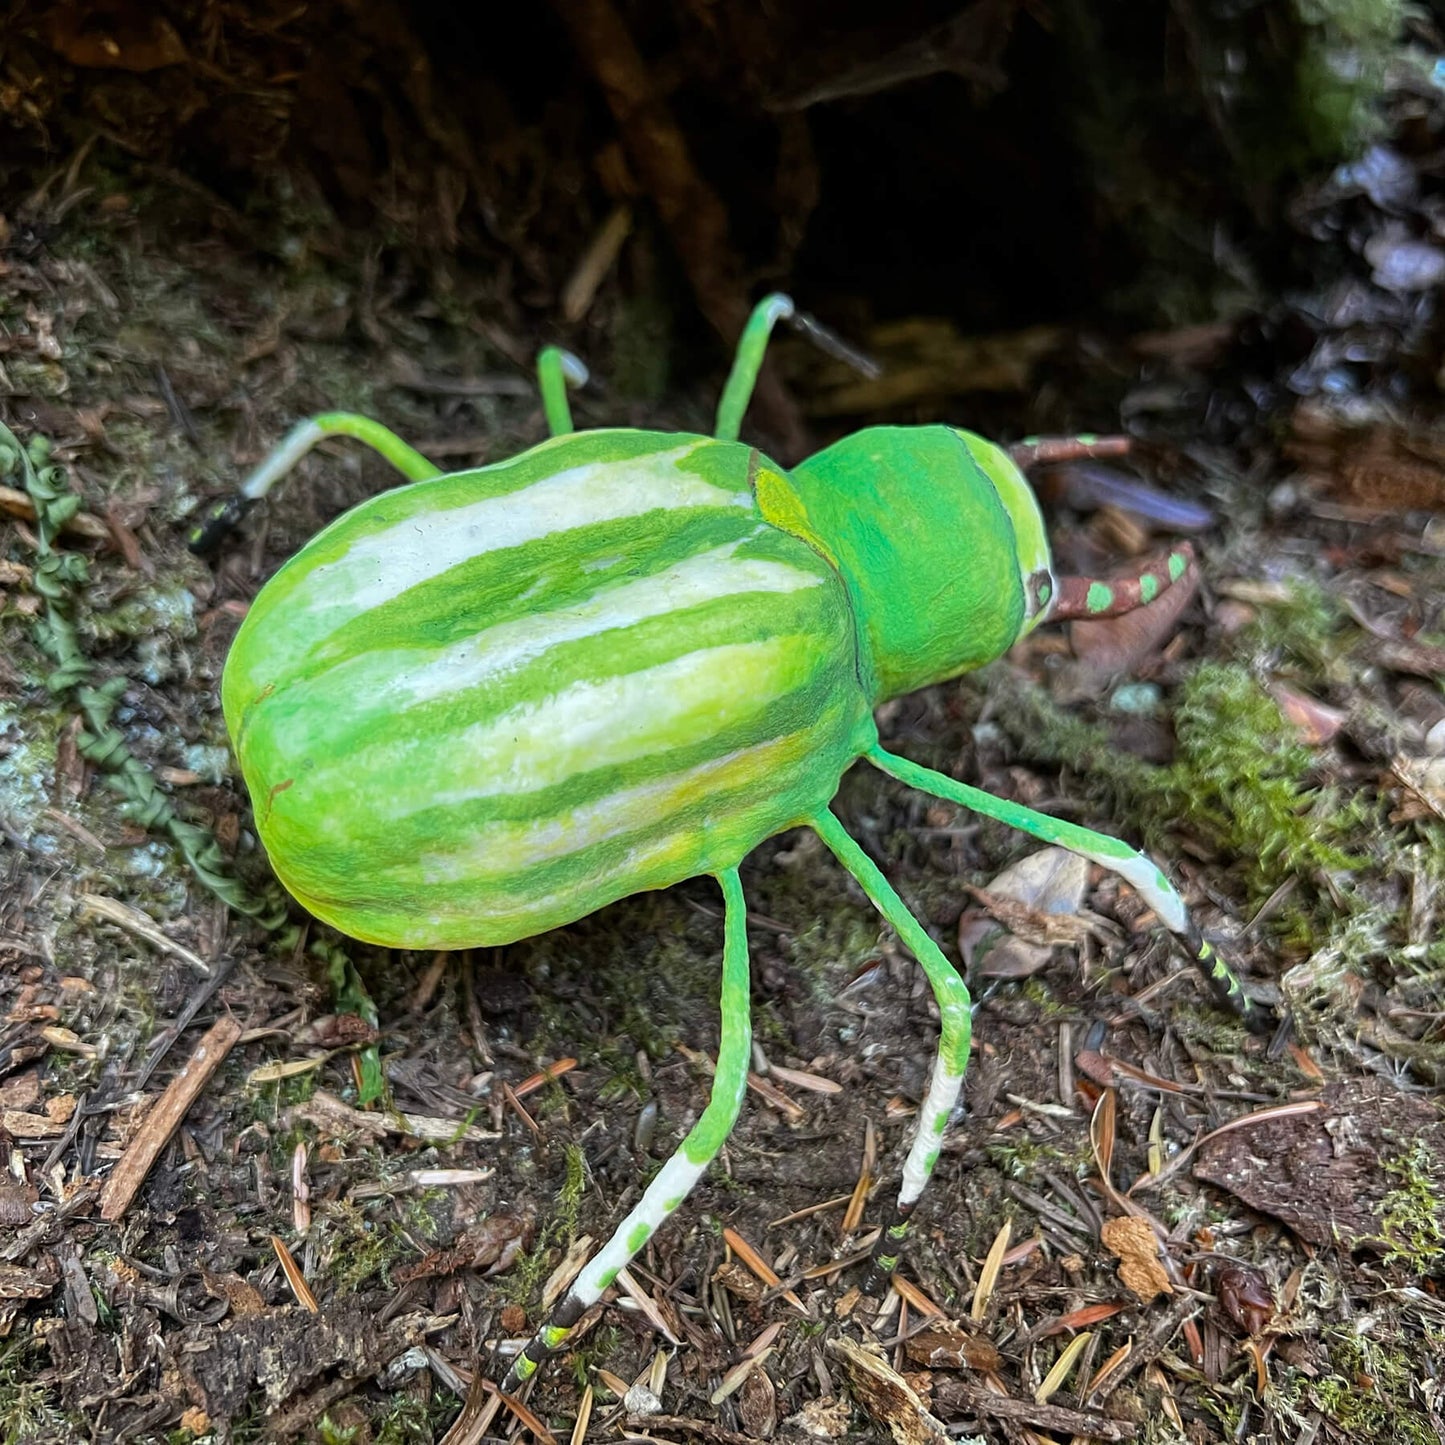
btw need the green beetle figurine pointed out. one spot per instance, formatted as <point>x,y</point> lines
<point>488,703</point>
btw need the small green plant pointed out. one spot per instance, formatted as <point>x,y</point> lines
<point>1242,779</point>
<point>560,1229</point>
<point>331,1433</point>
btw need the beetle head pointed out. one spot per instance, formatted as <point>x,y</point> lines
<point>940,541</point>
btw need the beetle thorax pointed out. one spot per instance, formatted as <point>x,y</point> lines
<point>939,539</point>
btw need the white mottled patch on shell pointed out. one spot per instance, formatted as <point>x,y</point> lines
<point>498,650</point>
<point>382,565</point>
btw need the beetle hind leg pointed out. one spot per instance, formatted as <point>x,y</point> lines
<point>225,516</point>
<point>675,1180</point>
<point>955,1033</point>
<point>1139,871</point>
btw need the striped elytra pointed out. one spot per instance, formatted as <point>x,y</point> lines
<point>477,707</point>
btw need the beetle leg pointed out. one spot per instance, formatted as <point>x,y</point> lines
<point>955,1012</point>
<point>222,518</point>
<point>752,346</point>
<point>1141,873</point>
<point>674,1181</point>
<point>556,371</point>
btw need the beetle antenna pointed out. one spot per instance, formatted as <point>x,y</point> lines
<point>830,343</point>
<point>1089,597</point>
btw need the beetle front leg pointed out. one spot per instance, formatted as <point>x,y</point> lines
<point>225,516</point>
<point>675,1180</point>
<point>1140,872</point>
<point>955,1011</point>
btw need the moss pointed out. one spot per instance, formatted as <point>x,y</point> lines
<point>1412,1215</point>
<point>1019,1156</point>
<point>27,1409</point>
<point>330,1433</point>
<point>600,1346</point>
<point>354,1246</point>
<point>1309,630</point>
<point>1241,784</point>
<point>1369,1391</point>
<point>29,738</point>
<point>1242,779</point>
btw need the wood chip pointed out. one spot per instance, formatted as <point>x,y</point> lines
<point>24,1125</point>
<point>948,1345</point>
<point>884,1394</point>
<point>161,1122</point>
<point>978,1400</point>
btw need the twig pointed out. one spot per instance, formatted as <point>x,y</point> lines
<point>130,1173</point>
<point>1046,1417</point>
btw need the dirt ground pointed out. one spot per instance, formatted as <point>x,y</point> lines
<point>284,1263</point>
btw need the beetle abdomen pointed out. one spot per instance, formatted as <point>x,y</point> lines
<point>481,706</point>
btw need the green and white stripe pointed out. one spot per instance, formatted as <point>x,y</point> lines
<point>486,704</point>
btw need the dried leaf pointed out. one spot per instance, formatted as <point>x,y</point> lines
<point>988,1275</point>
<point>1315,721</point>
<point>1053,1381</point>
<point>1136,1247</point>
<point>1245,1297</point>
<point>1050,885</point>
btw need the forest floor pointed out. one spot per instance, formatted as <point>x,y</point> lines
<point>271,1260</point>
